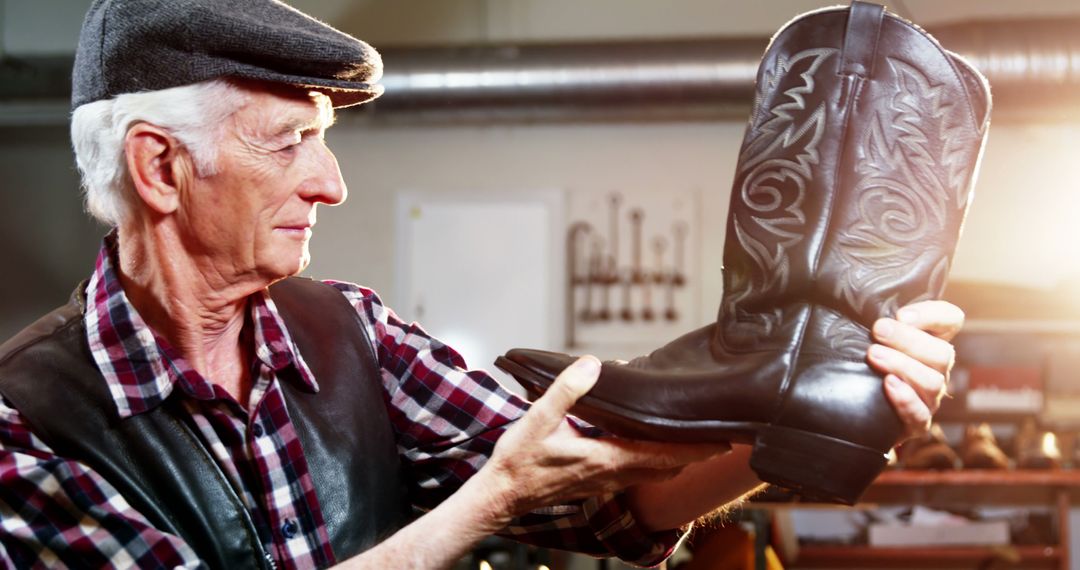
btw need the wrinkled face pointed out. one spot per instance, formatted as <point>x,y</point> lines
<point>253,217</point>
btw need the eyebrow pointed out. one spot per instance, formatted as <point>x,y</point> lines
<point>297,124</point>
<point>324,119</point>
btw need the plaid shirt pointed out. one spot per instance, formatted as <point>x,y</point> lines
<point>58,512</point>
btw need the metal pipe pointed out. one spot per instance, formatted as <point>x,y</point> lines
<point>1033,67</point>
<point>1025,61</point>
<point>571,74</point>
<point>1019,55</point>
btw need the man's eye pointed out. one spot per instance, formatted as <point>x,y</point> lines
<point>291,145</point>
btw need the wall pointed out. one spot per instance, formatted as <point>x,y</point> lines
<point>379,161</point>
<point>1020,227</point>
<point>48,243</point>
<point>51,26</point>
<point>455,21</point>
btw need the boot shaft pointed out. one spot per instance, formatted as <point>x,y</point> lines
<point>853,179</point>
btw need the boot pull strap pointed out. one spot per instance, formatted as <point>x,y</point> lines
<point>861,38</point>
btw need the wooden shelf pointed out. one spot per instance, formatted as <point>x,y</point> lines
<point>974,487</point>
<point>981,477</point>
<point>955,410</point>
<point>961,488</point>
<point>814,556</point>
<point>1052,489</point>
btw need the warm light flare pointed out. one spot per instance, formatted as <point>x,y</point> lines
<point>1022,224</point>
<point>1049,444</point>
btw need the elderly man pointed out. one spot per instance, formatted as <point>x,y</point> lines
<point>194,405</point>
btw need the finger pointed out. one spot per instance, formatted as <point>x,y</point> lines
<point>928,383</point>
<point>574,382</point>
<point>912,411</point>
<point>939,318</point>
<point>932,351</point>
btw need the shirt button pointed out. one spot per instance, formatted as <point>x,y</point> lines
<point>288,530</point>
<point>257,430</point>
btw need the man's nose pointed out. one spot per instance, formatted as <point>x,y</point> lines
<point>324,183</point>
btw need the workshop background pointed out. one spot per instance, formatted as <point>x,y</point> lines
<point>525,146</point>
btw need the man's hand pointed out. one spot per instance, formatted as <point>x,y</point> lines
<point>540,461</point>
<point>916,355</point>
<point>543,461</point>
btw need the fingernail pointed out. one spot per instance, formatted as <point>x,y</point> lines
<point>584,373</point>
<point>907,315</point>
<point>877,351</point>
<point>883,328</point>
<point>893,381</point>
<point>587,364</point>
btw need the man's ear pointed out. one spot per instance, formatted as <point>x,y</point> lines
<point>159,166</point>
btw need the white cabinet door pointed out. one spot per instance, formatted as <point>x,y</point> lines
<point>479,272</point>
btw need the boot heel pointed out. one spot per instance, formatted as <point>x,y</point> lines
<point>818,467</point>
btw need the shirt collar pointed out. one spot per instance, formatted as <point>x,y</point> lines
<point>141,369</point>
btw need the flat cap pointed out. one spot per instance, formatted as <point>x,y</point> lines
<point>127,46</point>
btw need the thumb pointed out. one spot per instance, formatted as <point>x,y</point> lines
<point>573,383</point>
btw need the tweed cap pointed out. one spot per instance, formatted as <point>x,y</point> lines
<point>128,46</point>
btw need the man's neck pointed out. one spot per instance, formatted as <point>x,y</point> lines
<point>200,309</point>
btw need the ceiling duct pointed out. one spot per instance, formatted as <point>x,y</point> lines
<point>668,78</point>
<point>1033,67</point>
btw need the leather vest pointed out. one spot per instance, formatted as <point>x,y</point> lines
<point>158,463</point>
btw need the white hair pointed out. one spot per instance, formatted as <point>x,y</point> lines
<point>194,114</point>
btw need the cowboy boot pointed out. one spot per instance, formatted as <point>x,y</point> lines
<point>980,450</point>
<point>852,183</point>
<point>929,451</point>
<point>1036,448</point>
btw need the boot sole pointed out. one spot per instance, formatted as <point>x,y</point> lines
<point>818,467</point>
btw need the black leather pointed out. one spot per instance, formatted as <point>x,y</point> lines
<point>157,462</point>
<point>852,184</point>
<point>345,429</point>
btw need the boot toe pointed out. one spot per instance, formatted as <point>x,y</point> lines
<point>534,369</point>
<point>542,362</point>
